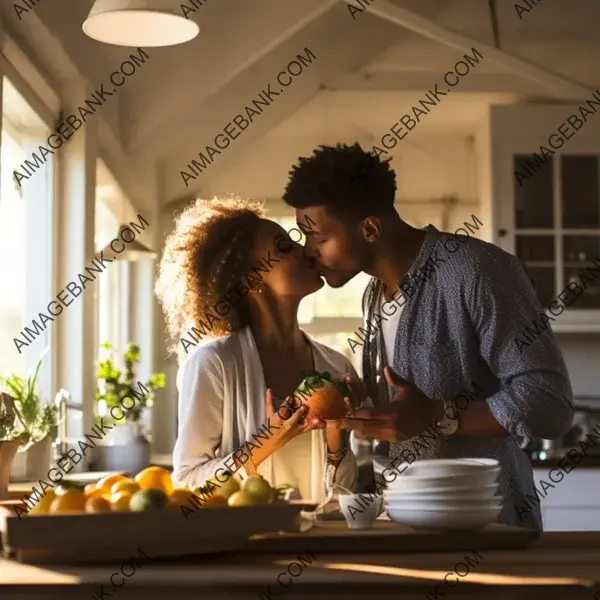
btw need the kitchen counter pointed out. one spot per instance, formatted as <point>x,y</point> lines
<point>557,566</point>
<point>590,462</point>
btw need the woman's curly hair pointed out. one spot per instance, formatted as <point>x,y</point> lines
<point>208,251</point>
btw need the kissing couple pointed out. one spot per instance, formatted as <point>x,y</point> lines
<point>446,332</point>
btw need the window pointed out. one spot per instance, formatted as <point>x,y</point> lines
<point>109,285</point>
<point>26,223</point>
<point>12,256</point>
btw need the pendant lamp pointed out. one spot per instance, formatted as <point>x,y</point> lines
<point>134,251</point>
<point>139,23</point>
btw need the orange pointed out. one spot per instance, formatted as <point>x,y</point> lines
<point>97,504</point>
<point>180,497</point>
<point>72,501</point>
<point>99,493</point>
<point>120,502</point>
<point>155,478</point>
<point>89,489</point>
<point>125,485</point>
<point>107,482</point>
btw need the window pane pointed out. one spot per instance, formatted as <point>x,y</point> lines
<point>534,249</point>
<point>533,197</point>
<point>580,193</point>
<point>108,286</point>
<point>12,255</point>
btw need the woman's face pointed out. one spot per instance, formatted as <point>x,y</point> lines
<point>282,263</point>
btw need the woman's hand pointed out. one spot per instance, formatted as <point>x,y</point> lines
<point>290,418</point>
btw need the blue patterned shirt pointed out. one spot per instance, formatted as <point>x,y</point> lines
<point>466,305</point>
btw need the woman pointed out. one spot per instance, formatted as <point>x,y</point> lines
<point>234,281</point>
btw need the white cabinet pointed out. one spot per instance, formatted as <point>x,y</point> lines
<point>573,504</point>
<point>545,204</point>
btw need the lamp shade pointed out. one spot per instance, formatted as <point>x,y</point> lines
<point>145,23</point>
<point>134,251</point>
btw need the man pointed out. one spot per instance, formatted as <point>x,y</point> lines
<point>460,310</point>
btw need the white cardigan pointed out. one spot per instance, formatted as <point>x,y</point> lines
<point>222,403</point>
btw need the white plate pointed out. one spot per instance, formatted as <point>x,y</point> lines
<point>444,520</point>
<point>455,466</point>
<point>466,494</point>
<point>449,505</point>
<point>476,480</point>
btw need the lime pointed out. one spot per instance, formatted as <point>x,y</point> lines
<point>148,500</point>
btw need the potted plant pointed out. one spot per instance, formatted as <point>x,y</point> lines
<point>114,384</point>
<point>24,420</point>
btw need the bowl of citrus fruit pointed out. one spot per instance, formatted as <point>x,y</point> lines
<point>110,519</point>
<point>150,490</point>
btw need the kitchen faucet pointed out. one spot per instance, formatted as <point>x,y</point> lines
<point>63,404</point>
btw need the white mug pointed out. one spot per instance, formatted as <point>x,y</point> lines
<point>360,510</point>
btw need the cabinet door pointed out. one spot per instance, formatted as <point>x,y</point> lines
<point>570,519</point>
<point>546,206</point>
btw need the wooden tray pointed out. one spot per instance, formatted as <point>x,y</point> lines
<point>386,536</point>
<point>40,539</point>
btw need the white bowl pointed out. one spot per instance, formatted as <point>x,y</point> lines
<point>478,479</point>
<point>443,467</point>
<point>449,505</point>
<point>444,519</point>
<point>361,517</point>
<point>456,493</point>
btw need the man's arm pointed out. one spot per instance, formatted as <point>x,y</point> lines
<point>535,399</point>
<point>475,420</point>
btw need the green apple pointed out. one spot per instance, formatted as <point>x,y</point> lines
<point>228,488</point>
<point>243,498</point>
<point>259,487</point>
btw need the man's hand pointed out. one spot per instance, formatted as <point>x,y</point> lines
<point>410,413</point>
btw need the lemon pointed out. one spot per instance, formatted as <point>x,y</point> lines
<point>72,501</point>
<point>125,485</point>
<point>43,505</point>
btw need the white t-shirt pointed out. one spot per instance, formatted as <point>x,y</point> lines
<point>389,327</point>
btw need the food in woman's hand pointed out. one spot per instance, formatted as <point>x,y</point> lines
<point>325,399</point>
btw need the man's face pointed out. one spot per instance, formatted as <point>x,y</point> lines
<point>335,244</point>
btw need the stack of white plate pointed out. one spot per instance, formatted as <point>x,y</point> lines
<point>449,494</point>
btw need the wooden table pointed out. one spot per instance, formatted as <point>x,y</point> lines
<point>574,556</point>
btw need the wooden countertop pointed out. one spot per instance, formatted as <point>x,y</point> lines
<point>560,565</point>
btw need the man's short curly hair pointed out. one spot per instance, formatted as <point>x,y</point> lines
<point>345,179</point>
<point>209,250</point>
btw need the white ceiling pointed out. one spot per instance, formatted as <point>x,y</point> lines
<point>368,72</point>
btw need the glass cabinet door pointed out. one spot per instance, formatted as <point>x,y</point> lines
<point>543,197</point>
<point>557,226</point>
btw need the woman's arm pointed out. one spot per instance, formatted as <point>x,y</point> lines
<point>201,390</point>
